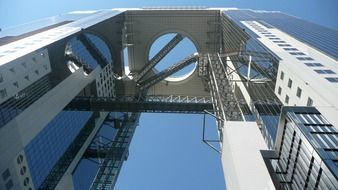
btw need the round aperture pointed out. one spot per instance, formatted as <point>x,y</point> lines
<point>180,48</point>
<point>87,51</point>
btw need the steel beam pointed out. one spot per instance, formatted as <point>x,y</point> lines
<point>169,71</point>
<point>222,90</point>
<point>158,57</point>
<point>93,50</point>
<point>110,168</point>
<point>269,73</point>
<point>61,166</point>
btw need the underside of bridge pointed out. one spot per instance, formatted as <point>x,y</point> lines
<point>217,85</point>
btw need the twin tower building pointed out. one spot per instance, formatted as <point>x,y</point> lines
<point>72,88</point>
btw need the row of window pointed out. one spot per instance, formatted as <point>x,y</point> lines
<point>43,152</point>
<point>296,52</point>
<point>257,27</point>
<point>6,179</point>
<point>33,41</point>
<point>3,92</point>
<point>18,103</point>
<point>105,84</point>
<point>298,93</point>
<point>288,47</point>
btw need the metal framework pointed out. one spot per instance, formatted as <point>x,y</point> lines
<point>158,57</point>
<point>145,84</point>
<point>214,72</point>
<point>115,153</point>
<point>162,104</point>
<point>226,105</point>
<point>92,49</point>
<point>64,162</point>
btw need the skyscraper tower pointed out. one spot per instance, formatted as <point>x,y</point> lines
<point>70,102</point>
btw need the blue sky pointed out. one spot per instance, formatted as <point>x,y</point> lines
<point>167,151</point>
<point>185,48</point>
<point>14,12</point>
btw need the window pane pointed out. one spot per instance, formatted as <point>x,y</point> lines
<point>290,49</point>
<point>299,92</point>
<point>282,75</point>
<point>297,53</point>
<point>5,174</point>
<point>287,99</point>
<point>309,102</point>
<point>304,58</point>
<point>284,45</point>
<point>314,64</point>
<point>332,79</point>
<point>327,71</point>
<point>290,83</point>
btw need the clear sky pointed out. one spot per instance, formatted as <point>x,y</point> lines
<point>167,151</point>
<point>14,12</point>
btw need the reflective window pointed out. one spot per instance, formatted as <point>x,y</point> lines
<point>290,49</point>
<point>279,41</point>
<point>297,53</point>
<point>331,79</point>
<point>322,38</point>
<point>304,58</point>
<point>15,105</point>
<point>49,145</point>
<point>324,71</point>
<point>284,45</point>
<point>314,64</point>
<point>279,90</point>
<point>282,75</point>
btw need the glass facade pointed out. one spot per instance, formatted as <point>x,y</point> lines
<point>43,23</point>
<point>263,67</point>
<point>86,170</point>
<point>256,64</point>
<point>84,174</point>
<point>307,151</point>
<point>15,105</point>
<point>265,63</point>
<point>322,38</point>
<point>49,145</point>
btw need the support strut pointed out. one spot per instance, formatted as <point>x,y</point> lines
<point>158,57</point>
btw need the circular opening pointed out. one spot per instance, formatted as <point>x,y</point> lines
<point>182,50</point>
<point>87,51</point>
